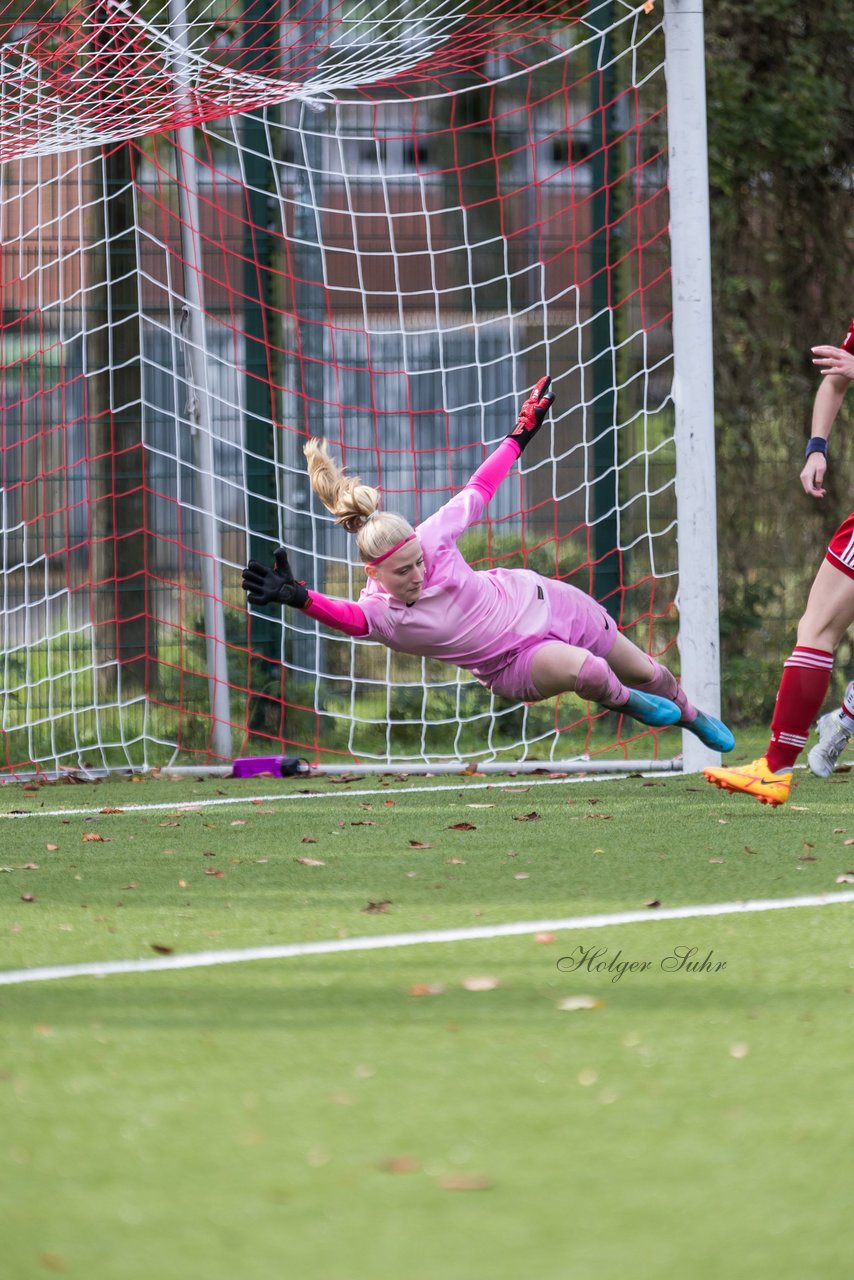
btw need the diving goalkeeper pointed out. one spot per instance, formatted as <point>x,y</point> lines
<point>525,637</point>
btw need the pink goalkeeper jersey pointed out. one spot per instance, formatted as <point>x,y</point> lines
<point>476,620</point>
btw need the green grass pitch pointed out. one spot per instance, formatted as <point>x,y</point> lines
<point>463,1110</point>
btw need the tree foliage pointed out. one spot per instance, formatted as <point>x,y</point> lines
<point>780,85</point>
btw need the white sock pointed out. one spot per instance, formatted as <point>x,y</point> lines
<point>846,711</point>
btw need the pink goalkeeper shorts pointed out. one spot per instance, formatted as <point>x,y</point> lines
<point>575,619</point>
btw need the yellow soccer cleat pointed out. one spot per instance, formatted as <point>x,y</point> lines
<point>754,779</point>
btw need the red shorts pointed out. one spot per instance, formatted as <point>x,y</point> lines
<point>848,340</point>
<point>840,553</point>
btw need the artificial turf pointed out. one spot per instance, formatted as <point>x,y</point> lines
<point>433,1110</point>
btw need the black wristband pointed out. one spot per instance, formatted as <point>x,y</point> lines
<point>816,444</point>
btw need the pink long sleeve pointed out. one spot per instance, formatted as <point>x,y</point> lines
<point>494,469</point>
<point>343,615</point>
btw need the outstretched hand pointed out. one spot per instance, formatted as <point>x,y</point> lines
<point>532,413</point>
<point>834,360</point>
<point>277,585</point>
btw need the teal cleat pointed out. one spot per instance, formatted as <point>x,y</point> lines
<point>711,732</point>
<point>649,709</point>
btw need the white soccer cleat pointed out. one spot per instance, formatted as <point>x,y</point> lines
<point>832,741</point>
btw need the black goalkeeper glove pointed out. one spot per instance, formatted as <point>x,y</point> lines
<point>532,413</point>
<point>274,586</point>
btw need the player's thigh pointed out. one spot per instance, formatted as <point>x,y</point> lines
<point>830,609</point>
<point>555,667</point>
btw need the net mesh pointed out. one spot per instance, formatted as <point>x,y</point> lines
<point>227,228</point>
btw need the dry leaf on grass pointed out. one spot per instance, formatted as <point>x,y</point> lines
<point>92,837</point>
<point>419,844</point>
<point>533,816</point>
<point>465,1182</point>
<point>400,1164</point>
<point>573,1004</point>
<point>480,984</point>
<point>653,902</point>
<point>378,907</point>
<point>462,826</point>
<point>212,871</point>
<point>310,862</point>
<point>847,877</point>
<point>161,949</point>
<point>426,989</point>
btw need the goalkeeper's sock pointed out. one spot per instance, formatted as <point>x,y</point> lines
<point>596,682</point>
<point>665,685</point>
<point>803,689</point>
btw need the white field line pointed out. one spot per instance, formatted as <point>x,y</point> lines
<point>175,805</point>
<point>287,951</point>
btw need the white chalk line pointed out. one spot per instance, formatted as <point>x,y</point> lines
<point>190,805</point>
<point>291,950</point>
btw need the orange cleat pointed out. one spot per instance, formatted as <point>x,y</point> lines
<point>754,779</point>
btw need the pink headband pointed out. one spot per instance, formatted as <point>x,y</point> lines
<point>385,555</point>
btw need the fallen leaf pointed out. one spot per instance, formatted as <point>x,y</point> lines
<point>526,817</point>
<point>400,1164</point>
<point>480,806</point>
<point>92,837</point>
<point>465,1182</point>
<point>51,848</point>
<point>419,844</point>
<point>111,809</point>
<point>27,897</point>
<point>212,871</point>
<point>310,862</point>
<point>182,884</point>
<point>132,885</point>
<point>363,822</point>
<point>462,826</point>
<point>480,984</point>
<point>544,937</point>
<point>739,1050</point>
<point>653,902</point>
<point>846,842</point>
<point>573,1004</point>
<point>378,907</point>
<point>161,949</point>
<point>53,1261</point>
<point>521,875</point>
<point>308,840</point>
<point>847,877</point>
<point>426,989</point>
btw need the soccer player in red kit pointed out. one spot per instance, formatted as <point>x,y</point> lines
<point>828,615</point>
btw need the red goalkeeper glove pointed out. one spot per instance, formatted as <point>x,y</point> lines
<point>278,585</point>
<point>532,413</point>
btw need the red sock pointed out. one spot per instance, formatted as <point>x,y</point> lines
<point>803,689</point>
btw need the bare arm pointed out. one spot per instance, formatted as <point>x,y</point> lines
<point>837,368</point>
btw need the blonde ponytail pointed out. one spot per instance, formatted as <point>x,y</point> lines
<point>354,505</point>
